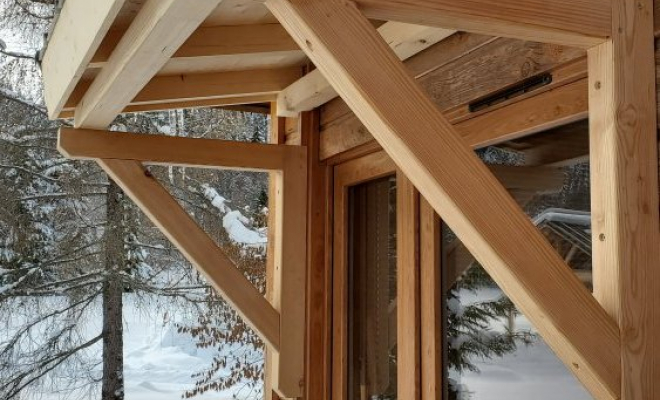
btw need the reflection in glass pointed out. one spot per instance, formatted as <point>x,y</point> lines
<point>493,352</point>
<point>372,291</point>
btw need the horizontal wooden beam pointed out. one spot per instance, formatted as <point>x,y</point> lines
<point>158,30</point>
<point>168,150</point>
<point>208,41</point>
<point>509,121</point>
<point>581,23</point>
<point>198,248</point>
<point>80,28</point>
<point>237,87</point>
<point>457,185</point>
<point>313,90</point>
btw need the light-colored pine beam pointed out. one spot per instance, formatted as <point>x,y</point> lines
<point>209,41</point>
<point>159,29</point>
<point>580,23</point>
<point>286,266</point>
<point>624,192</point>
<point>167,150</point>
<point>80,28</point>
<point>198,248</point>
<point>366,73</point>
<point>290,253</point>
<point>313,90</point>
<point>252,86</point>
<point>276,136</point>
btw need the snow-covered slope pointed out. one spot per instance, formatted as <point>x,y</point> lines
<point>159,361</point>
<point>530,373</point>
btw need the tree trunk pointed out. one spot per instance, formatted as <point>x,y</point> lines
<point>113,342</point>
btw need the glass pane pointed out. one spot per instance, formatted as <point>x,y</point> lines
<point>372,291</point>
<point>493,351</point>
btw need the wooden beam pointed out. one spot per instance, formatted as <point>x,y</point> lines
<point>275,137</point>
<point>290,273</point>
<point>523,183</point>
<point>431,304</point>
<point>510,121</point>
<point>213,88</point>
<point>624,192</point>
<point>582,23</point>
<point>209,41</point>
<point>318,358</point>
<point>80,28</point>
<point>159,29</point>
<point>198,248</point>
<point>313,90</point>
<point>408,290</point>
<point>465,67</point>
<point>167,150</point>
<point>457,184</point>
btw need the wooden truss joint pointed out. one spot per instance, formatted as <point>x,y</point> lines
<point>280,324</point>
<point>454,181</point>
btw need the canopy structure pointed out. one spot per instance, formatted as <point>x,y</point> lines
<point>417,84</point>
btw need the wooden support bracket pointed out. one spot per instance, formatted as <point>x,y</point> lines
<point>457,185</point>
<point>280,324</point>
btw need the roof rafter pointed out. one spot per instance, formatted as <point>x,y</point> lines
<point>159,29</point>
<point>80,28</point>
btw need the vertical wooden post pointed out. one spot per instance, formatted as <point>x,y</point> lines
<point>317,356</point>
<point>287,270</point>
<point>624,191</point>
<point>408,287</point>
<point>431,303</point>
<point>274,199</point>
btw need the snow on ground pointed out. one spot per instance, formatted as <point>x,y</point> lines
<point>530,373</point>
<point>158,361</point>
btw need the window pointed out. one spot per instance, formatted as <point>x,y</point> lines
<point>372,290</point>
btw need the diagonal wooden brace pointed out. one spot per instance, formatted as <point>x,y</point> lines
<point>373,82</point>
<point>280,324</point>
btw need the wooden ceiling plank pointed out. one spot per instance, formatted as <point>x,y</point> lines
<point>262,85</point>
<point>381,92</point>
<point>578,23</point>
<point>158,30</point>
<point>313,90</point>
<point>209,41</point>
<point>80,28</point>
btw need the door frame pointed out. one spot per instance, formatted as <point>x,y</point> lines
<point>418,236</point>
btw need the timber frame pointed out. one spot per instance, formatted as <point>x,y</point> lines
<point>350,89</point>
